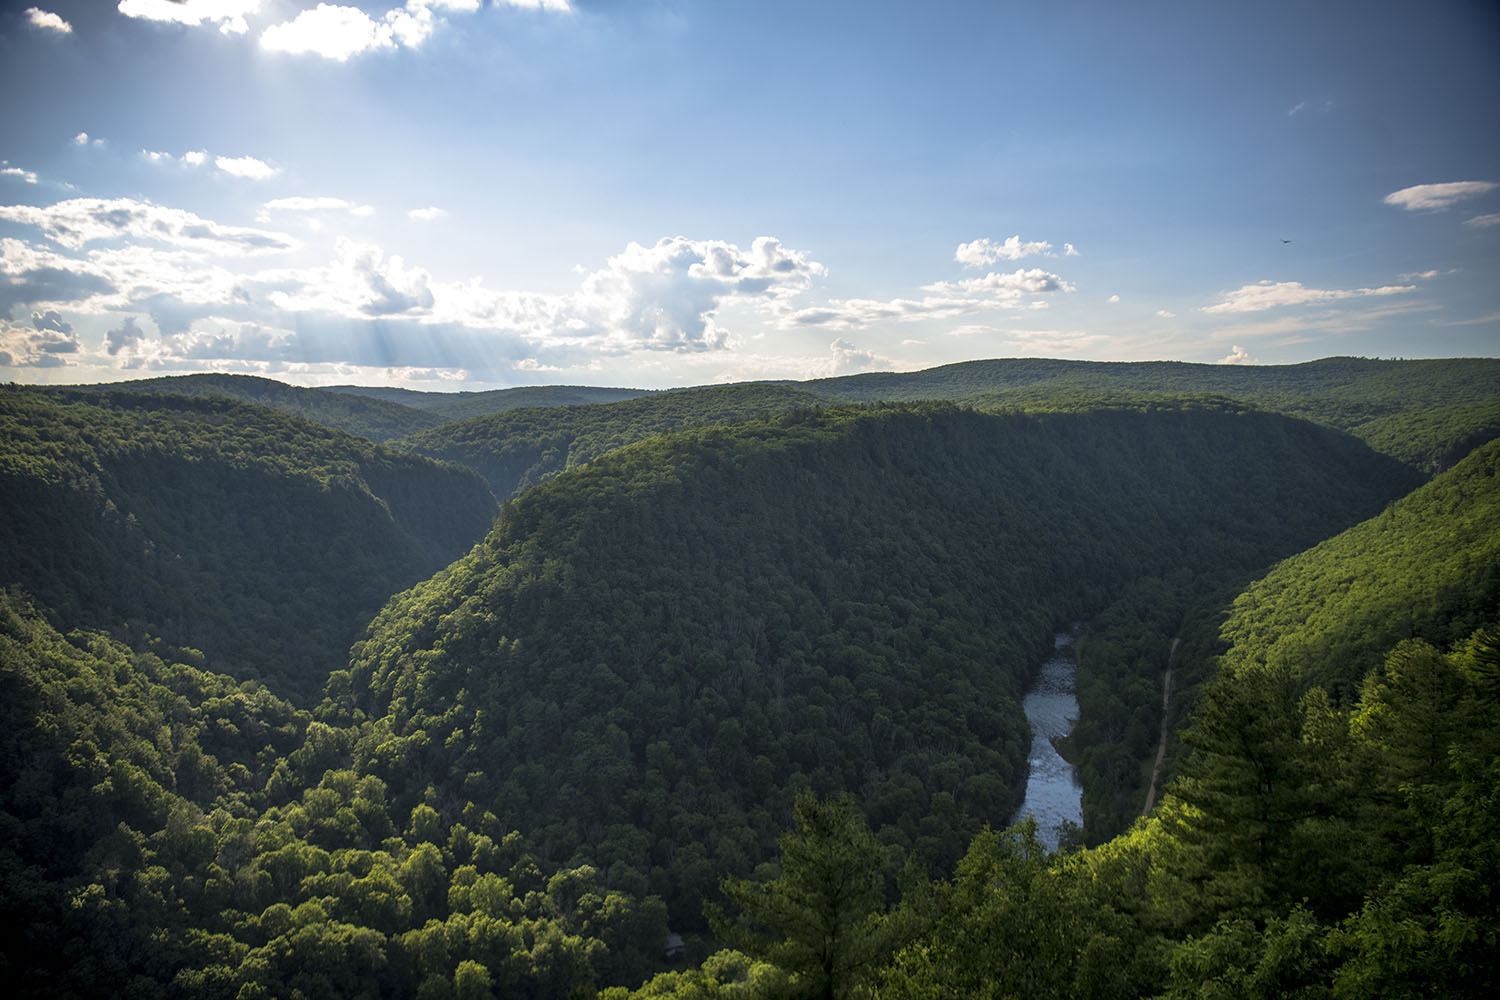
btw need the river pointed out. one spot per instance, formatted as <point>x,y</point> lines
<point>1053,794</point>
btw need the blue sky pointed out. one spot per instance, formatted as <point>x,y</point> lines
<point>454,194</point>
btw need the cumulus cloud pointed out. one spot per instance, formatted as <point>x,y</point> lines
<point>123,337</point>
<point>428,214</point>
<point>78,221</point>
<point>26,175</point>
<point>667,296</point>
<point>946,300</point>
<point>48,21</point>
<point>1273,294</point>
<point>849,359</point>
<point>1238,356</point>
<point>1166,314</point>
<point>982,252</point>
<point>1437,197</point>
<point>1113,299</point>
<point>339,32</point>
<point>44,345</point>
<point>228,15</point>
<point>997,286</point>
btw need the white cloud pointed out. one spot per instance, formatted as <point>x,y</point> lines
<point>1295,108</point>
<point>28,176</point>
<point>997,286</point>
<point>39,18</point>
<point>427,214</point>
<point>1484,221</point>
<point>848,359</point>
<point>1112,299</point>
<point>195,157</point>
<point>982,252</point>
<point>1238,356</point>
<point>330,31</point>
<point>946,301</point>
<point>339,32</point>
<point>1165,314</point>
<point>46,343</point>
<point>1069,250</point>
<point>1273,294</point>
<point>81,139</point>
<point>246,166</point>
<point>79,221</point>
<point>320,204</point>
<point>229,15</point>
<point>1437,197</point>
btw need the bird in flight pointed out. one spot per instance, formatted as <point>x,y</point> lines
<point>1286,241</point>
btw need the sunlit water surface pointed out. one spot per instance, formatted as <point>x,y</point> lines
<point>1053,794</point>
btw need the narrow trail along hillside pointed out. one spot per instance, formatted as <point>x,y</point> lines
<point>1161,747</point>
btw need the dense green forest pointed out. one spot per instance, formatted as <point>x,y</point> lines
<point>260,540</point>
<point>376,418</point>
<point>744,664</point>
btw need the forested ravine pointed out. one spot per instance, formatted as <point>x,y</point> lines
<point>1054,795</point>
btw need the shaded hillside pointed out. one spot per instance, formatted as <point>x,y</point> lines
<point>260,539</point>
<point>519,448</point>
<point>650,654</point>
<point>1347,393</point>
<point>1427,568</point>
<point>468,405</point>
<point>376,419</point>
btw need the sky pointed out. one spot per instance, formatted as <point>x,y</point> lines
<point>469,194</point>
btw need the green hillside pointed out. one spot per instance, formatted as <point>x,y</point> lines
<point>261,540</point>
<point>746,663</point>
<point>373,418</point>
<point>519,448</point>
<point>666,644</point>
<point>1427,568</point>
<point>468,405</point>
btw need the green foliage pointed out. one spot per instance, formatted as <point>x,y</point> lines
<point>516,448</point>
<point>373,418</point>
<point>657,663</point>
<point>1428,568</point>
<point>450,406</point>
<point>666,645</point>
<point>819,919</point>
<point>260,540</point>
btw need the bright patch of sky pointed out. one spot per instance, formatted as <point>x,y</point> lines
<point>477,193</point>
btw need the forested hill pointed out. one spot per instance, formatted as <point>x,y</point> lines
<point>520,447</point>
<point>1428,413</point>
<point>468,405</point>
<point>261,540</point>
<point>373,418</point>
<point>664,645</point>
<point>1427,568</point>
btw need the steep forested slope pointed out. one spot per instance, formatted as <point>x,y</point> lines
<point>170,832</point>
<point>521,447</point>
<point>373,418</point>
<point>649,655</point>
<point>259,539</point>
<point>1427,568</point>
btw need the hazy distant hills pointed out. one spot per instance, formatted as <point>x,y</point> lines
<point>464,405</point>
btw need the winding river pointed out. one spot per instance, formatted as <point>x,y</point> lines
<point>1053,794</point>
